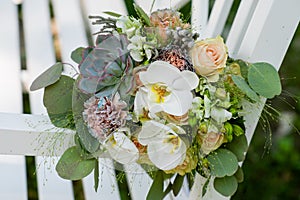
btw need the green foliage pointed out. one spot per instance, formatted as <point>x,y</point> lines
<point>239,175</point>
<point>58,101</point>
<point>156,190</point>
<point>238,146</point>
<point>264,79</point>
<point>73,166</point>
<point>186,11</point>
<point>89,143</point>
<point>96,175</point>
<point>77,55</point>
<point>243,86</point>
<point>222,162</point>
<point>142,14</point>
<point>113,14</point>
<point>226,186</point>
<point>237,130</point>
<point>48,77</point>
<point>177,184</point>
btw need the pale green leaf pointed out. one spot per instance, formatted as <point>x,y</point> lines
<point>77,55</point>
<point>48,77</point>
<point>90,143</point>
<point>222,162</point>
<point>239,147</point>
<point>239,175</point>
<point>264,79</point>
<point>58,101</point>
<point>72,166</point>
<point>226,186</point>
<point>244,87</point>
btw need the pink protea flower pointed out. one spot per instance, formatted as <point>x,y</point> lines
<point>104,116</point>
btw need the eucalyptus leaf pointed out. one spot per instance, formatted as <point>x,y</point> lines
<point>226,186</point>
<point>157,188</point>
<point>264,79</point>
<point>77,55</point>
<point>222,162</point>
<point>239,147</point>
<point>48,77</point>
<point>58,101</point>
<point>72,166</point>
<point>244,67</point>
<point>244,87</point>
<point>90,143</point>
<point>239,175</point>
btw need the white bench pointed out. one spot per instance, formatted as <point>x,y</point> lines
<point>262,31</point>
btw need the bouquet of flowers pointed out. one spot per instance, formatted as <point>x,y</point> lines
<point>149,92</point>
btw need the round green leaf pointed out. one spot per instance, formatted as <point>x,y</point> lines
<point>58,101</point>
<point>72,165</point>
<point>239,175</point>
<point>226,186</point>
<point>48,77</point>
<point>239,147</point>
<point>243,86</point>
<point>264,79</point>
<point>222,162</point>
<point>77,55</point>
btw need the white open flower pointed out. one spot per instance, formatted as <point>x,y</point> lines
<point>221,115</point>
<point>129,25</point>
<point>166,89</point>
<point>121,148</point>
<point>165,148</point>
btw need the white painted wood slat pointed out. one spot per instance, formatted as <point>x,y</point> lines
<point>39,56</point>
<point>70,27</point>
<point>12,168</point>
<point>199,15</point>
<point>240,25</point>
<point>217,18</point>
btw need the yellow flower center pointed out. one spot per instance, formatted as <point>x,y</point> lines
<point>113,141</point>
<point>160,92</point>
<point>175,140</point>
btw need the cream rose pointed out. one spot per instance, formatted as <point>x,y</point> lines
<point>209,57</point>
<point>211,140</point>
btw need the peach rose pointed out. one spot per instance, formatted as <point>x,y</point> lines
<point>211,140</point>
<point>209,57</point>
